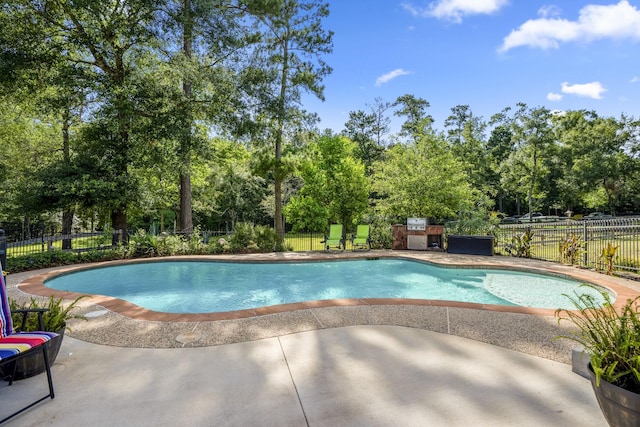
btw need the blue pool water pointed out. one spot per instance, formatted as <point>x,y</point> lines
<point>203,287</point>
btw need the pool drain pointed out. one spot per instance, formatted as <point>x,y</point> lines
<point>189,337</point>
<point>96,313</point>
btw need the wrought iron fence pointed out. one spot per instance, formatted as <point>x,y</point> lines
<point>80,242</point>
<point>97,241</point>
<point>589,237</point>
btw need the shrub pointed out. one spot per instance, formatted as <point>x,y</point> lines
<point>53,320</point>
<point>571,247</point>
<point>41,260</point>
<point>474,223</point>
<point>143,244</point>
<point>381,235</point>
<point>195,242</point>
<point>243,238</point>
<point>608,255</point>
<point>268,240</point>
<point>520,245</point>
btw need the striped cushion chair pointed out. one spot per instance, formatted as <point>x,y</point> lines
<point>16,345</point>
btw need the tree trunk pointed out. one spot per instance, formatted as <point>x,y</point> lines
<point>279,225</point>
<point>119,213</point>
<point>67,225</point>
<point>67,215</point>
<point>186,217</point>
<point>119,224</point>
<point>185,220</point>
<point>533,180</point>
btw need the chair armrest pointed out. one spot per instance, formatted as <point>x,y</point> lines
<point>25,312</point>
<point>30,310</point>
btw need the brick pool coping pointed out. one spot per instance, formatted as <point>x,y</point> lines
<point>35,284</point>
<point>112,321</point>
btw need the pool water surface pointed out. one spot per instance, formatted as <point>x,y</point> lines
<point>212,286</point>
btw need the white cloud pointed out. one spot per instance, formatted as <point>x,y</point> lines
<point>588,90</point>
<point>554,96</point>
<point>635,79</point>
<point>390,76</point>
<point>454,10</point>
<point>549,10</point>
<point>616,21</point>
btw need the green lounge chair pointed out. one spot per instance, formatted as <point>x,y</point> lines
<point>335,239</point>
<point>360,239</point>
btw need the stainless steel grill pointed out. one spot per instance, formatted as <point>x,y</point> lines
<point>417,240</point>
<point>416,224</point>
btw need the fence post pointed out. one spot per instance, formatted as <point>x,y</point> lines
<point>3,250</point>
<point>42,239</point>
<point>585,255</point>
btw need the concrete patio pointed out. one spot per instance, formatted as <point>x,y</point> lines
<point>349,376</point>
<point>332,363</point>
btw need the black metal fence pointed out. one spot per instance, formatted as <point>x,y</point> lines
<point>590,237</point>
<point>99,241</point>
<point>79,242</point>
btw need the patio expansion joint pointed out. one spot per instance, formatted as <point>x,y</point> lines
<point>317,320</point>
<point>293,382</point>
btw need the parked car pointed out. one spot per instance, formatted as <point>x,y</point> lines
<point>530,217</point>
<point>597,215</point>
<point>510,220</point>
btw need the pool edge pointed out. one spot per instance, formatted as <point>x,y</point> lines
<point>34,285</point>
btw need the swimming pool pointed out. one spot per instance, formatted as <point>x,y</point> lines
<point>214,286</point>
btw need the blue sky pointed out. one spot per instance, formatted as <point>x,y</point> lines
<point>488,54</point>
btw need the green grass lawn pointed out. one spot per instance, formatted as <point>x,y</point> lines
<point>78,244</point>
<point>300,242</point>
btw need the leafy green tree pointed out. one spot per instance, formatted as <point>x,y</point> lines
<point>335,188</point>
<point>533,137</point>
<point>214,38</point>
<point>630,135</point>
<point>29,141</point>
<point>40,77</point>
<point>291,60</point>
<point>104,40</point>
<point>466,136</point>
<point>360,128</point>
<point>418,122</point>
<point>593,157</point>
<point>422,180</point>
<point>499,147</point>
<point>381,121</point>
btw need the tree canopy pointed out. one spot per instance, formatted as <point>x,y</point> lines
<point>189,113</point>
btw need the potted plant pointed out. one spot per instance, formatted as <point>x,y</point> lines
<point>611,339</point>
<point>54,320</point>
